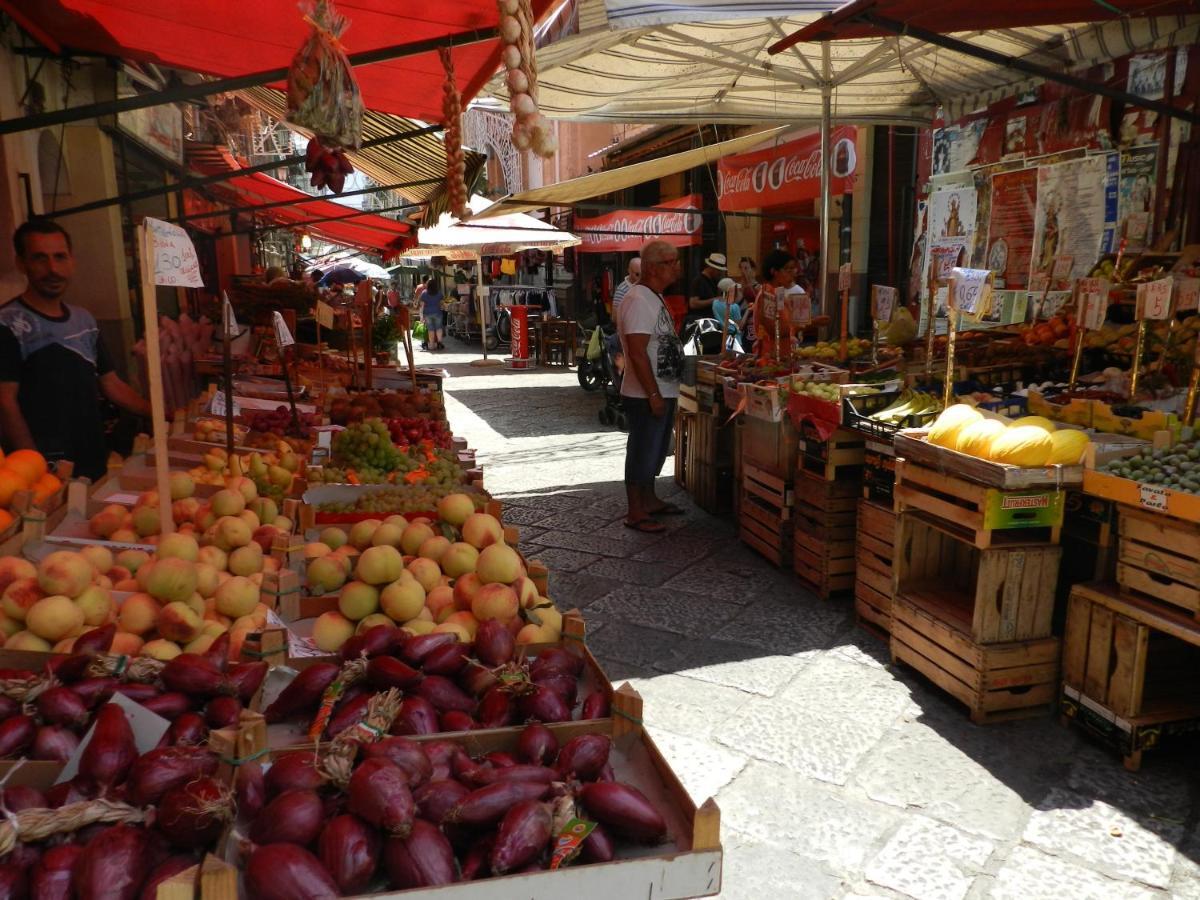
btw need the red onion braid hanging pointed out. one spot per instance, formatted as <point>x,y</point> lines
<point>456,165</point>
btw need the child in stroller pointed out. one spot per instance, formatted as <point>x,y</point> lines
<point>602,369</point>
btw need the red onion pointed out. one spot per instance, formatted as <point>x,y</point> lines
<point>444,694</point>
<point>287,872</point>
<point>69,668</point>
<point>95,640</point>
<point>524,833</point>
<point>191,673</point>
<point>454,720</point>
<point>606,773</point>
<point>486,805</point>
<point>14,880</point>
<point>349,850</point>
<point>247,678</point>
<point>584,756</point>
<point>170,705</point>
<point>475,863</point>
<point>422,859</point>
<point>168,868</point>
<point>20,796</point>
<point>597,846</point>
<point>405,754</point>
<point>218,652</point>
<point>187,730</point>
<point>250,790</point>
<point>596,705</point>
<point>16,734</point>
<point>477,680</point>
<point>294,817</point>
<point>494,644</point>
<point>296,770</point>
<point>94,691</point>
<point>53,876</point>
<point>113,865</point>
<point>54,743</point>
<point>136,691</point>
<point>449,660</point>
<point>537,744</point>
<point>157,771</point>
<point>624,809</point>
<point>417,716</point>
<point>106,759</point>
<point>436,798</point>
<point>8,707</point>
<point>555,659</point>
<point>485,775</point>
<point>374,641</point>
<point>223,712</point>
<point>303,693</point>
<point>566,686</point>
<point>497,709</point>
<point>416,648</point>
<point>349,713</point>
<point>386,672</point>
<point>66,792</point>
<point>193,815</point>
<point>379,794</point>
<point>545,705</point>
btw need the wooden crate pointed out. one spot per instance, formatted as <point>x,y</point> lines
<point>713,487</point>
<point>874,549</point>
<point>685,426</point>
<point>826,496</point>
<point>825,566</point>
<point>771,446</point>
<point>837,458</point>
<point>1124,678</point>
<point>1159,558</point>
<point>879,472</point>
<point>911,445</point>
<point>981,515</point>
<point>713,441</point>
<point>996,681</point>
<point>765,514</point>
<point>994,595</point>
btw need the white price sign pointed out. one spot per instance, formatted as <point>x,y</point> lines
<point>799,307</point>
<point>1153,497</point>
<point>173,256</point>
<point>324,314</point>
<point>229,322</point>
<point>1187,294</point>
<point>971,290</point>
<point>1093,302</point>
<point>883,302</point>
<point>844,277</point>
<point>1154,299</point>
<point>282,335</point>
<point>217,408</point>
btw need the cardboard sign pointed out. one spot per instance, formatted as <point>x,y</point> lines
<point>883,302</point>
<point>971,291</point>
<point>324,314</point>
<point>174,257</point>
<point>229,322</point>
<point>217,407</point>
<point>1154,299</point>
<point>1187,294</point>
<point>282,335</point>
<point>1153,497</point>
<point>844,277</point>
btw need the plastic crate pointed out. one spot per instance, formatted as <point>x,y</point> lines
<point>856,412</point>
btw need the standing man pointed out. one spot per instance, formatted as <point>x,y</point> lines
<point>53,363</point>
<point>653,364</point>
<point>633,277</point>
<point>704,287</point>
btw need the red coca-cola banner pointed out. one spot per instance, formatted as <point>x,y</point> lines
<point>788,173</point>
<point>627,229</point>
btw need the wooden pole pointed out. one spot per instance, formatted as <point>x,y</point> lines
<point>1189,409</point>
<point>948,388</point>
<point>1139,348</point>
<point>166,524</point>
<point>929,321</point>
<point>845,295</point>
<point>227,365</point>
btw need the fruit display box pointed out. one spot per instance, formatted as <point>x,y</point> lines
<point>25,506</point>
<point>687,864</point>
<point>1175,504</point>
<point>911,445</point>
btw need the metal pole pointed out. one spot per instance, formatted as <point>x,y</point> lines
<point>307,198</point>
<point>184,93</point>
<point>482,303</point>
<point>826,113</point>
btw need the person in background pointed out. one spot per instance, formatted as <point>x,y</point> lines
<point>431,312</point>
<point>779,274</point>
<point>633,276</point>
<point>653,364</point>
<point>728,302</point>
<point>704,287</point>
<point>273,274</point>
<point>53,363</point>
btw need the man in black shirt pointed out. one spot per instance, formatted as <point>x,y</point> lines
<point>53,363</point>
<point>704,287</point>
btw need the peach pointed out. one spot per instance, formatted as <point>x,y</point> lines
<point>126,536</point>
<point>182,485</point>
<point>495,601</point>
<point>139,614</point>
<point>398,520</point>
<point>64,572</point>
<point>54,618</point>
<point>402,599</point>
<point>498,564</point>
<point>200,643</point>
<point>265,509</point>
<point>13,568</point>
<point>206,580</point>
<point>178,546</point>
<point>324,575</point>
<point>237,597</point>
<point>250,518</point>
<point>126,585</point>
<point>227,503</point>
<point>169,579</point>
<point>244,486</point>
<point>101,558</point>
<point>463,631</point>
<point>362,532</point>
<point>184,511</point>
<point>536,634</point>
<point>315,550</point>
<point>387,535</point>
<point>465,588</point>
<point>132,559</point>
<point>527,592</point>
<point>27,640</point>
<point>246,560</point>
<point>426,571</point>
<point>230,532</point>
<point>284,525</point>
<point>333,537</point>
<point>358,600</point>
<point>117,573</point>
<point>215,557</point>
<point>161,649</point>
<point>379,565</point>
<point>458,559</point>
<point>197,604</point>
<point>205,517</point>
<point>8,627</point>
<point>96,605</point>
<point>551,618</point>
<point>178,622</point>
<point>413,537</point>
<point>455,509</point>
<point>331,630</point>
<point>145,520</point>
<point>108,520</point>
<point>434,547</point>
<point>481,530</point>
<point>440,603</point>
<point>126,644</point>
<point>271,564</point>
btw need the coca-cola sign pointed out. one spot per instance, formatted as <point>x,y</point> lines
<point>676,221</point>
<point>788,173</point>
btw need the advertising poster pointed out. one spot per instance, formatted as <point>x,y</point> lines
<point>955,146</point>
<point>678,222</point>
<point>1010,229</point>
<point>787,174</point>
<point>1070,216</point>
<point>1136,197</point>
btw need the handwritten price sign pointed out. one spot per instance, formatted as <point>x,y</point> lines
<point>971,291</point>
<point>173,256</point>
<point>1154,299</point>
<point>1187,294</point>
<point>1093,302</point>
<point>883,302</point>
<point>283,334</point>
<point>229,322</point>
<point>844,277</point>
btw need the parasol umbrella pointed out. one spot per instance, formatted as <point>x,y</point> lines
<point>341,275</point>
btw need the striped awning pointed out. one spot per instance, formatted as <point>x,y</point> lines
<point>676,68</point>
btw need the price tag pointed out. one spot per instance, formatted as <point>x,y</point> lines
<point>883,302</point>
<point>1187,294</point>
<point>173,256</point>
<point>799,307</point>
<point>1153,497</point>
<point>1039,283</point>
<point>324,314</point>
<point>970,291</point>
<point>217,407</point>
<point>1154,299</point>
<point>229,321</point>
<point>844,277</point>
<point>1093,302</point>
<point>282,335</point>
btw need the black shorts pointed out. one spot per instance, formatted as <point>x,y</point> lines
<point>649,441</point>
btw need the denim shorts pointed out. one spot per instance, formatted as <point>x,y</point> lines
<point>649,441</point>
<point>435,321</point>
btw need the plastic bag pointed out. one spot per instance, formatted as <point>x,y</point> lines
<point>322,93</point>
<point>419,331</point>
<point>593,347</point>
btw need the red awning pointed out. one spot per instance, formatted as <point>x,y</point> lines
<point>233,37</point>
<point>368,231</point>
<point>954,16</point>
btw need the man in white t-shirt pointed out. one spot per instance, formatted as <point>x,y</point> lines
<point>653,364</point>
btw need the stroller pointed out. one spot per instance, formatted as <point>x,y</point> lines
<point>702,337</point>
<point>601,370</point>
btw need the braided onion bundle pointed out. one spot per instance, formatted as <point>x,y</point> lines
<point>531,131</point>
<point>456,164</point>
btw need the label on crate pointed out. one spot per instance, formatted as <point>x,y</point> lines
<point>217,407</point>
<point>1153,497</point>
<point>1028,501</point>
<point>1154,299</point>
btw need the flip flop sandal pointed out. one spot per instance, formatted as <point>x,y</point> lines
<point>668,509</point>
<point>646,526</point>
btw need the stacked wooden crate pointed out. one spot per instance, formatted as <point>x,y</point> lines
<point>704,444</point>
<point>875,549</point>
<point>824,549</point>
<point>768,447</point>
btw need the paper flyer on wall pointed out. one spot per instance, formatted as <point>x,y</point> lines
<point>1070,215</point>
<point>1136,195</point>
<point>1010,227</point>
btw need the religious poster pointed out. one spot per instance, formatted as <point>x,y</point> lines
<point>951,228</point>
<point>1010,228</point>
<point>954,146</point>
<point>1136,198</point>
<point>1069,221</point>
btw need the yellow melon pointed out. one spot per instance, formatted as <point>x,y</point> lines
<point>1022,445</point>
<point>1069,446</point>
<point>945,429</point>
<point>976,439</point>
<point>1040,421</point>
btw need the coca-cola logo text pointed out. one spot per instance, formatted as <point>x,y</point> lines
<point>621,226</point>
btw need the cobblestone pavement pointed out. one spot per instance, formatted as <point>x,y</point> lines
<point>837,775</point>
